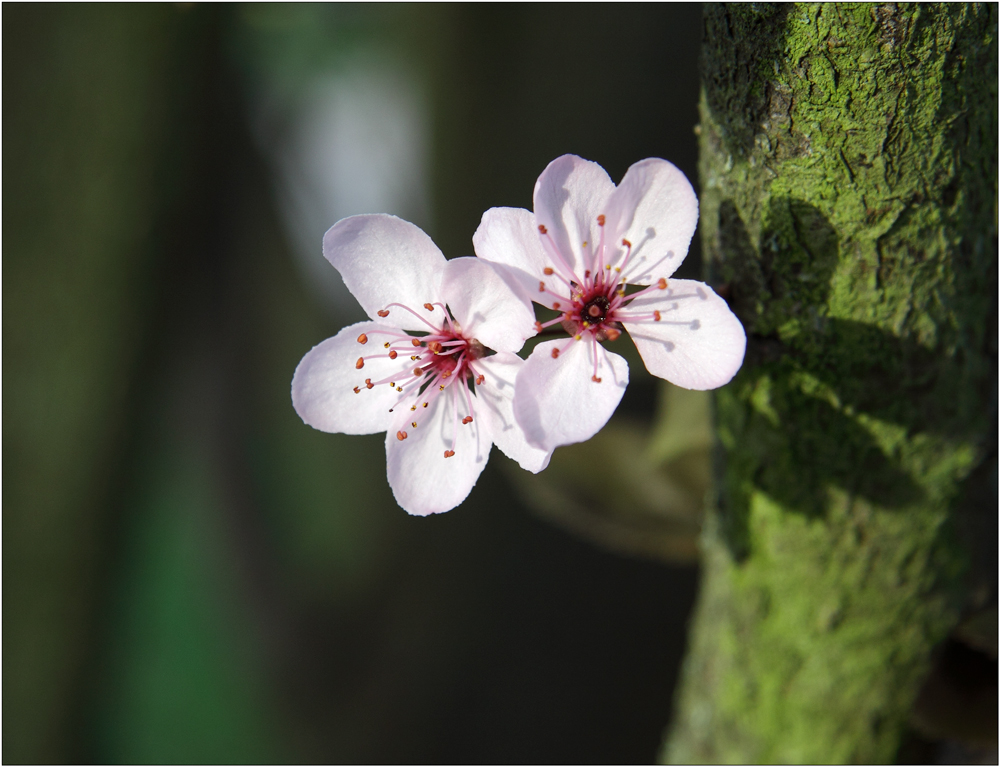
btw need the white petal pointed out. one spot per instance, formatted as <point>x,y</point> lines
<point>698,342</point>
<point>323,385</point>
<point>656,210</point>
<point>422,479</point>
<point>385,260</point>
<point>569,196</point>
<point>496,405</point>
<point>510,237</point>
<point>555,400</point>
<point>489,305</point>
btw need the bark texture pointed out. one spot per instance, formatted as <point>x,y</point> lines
<point>848,173</point>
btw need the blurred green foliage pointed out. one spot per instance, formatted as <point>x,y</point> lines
<point>87,132</point>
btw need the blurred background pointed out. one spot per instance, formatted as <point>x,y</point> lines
<point>190,574</point>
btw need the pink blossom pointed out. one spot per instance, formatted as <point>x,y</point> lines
<point>421,370</point>
<point>585,243</point>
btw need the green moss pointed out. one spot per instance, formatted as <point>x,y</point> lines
<point>848,175</point>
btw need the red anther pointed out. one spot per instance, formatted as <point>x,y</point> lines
<point>369,384</point>
<point>538,326</point>
<point>600,220</point>
<point>611,334</point>
<point>416,342</point>
<point>383,313</point>
<point>435,347</point>
<point>548,270</point>
<point>556,304</point>
<point>541,287</point>
<point>595,379</point>
<point>626,243</point>
<point>555,353</point>
<point>400,435</point>
<point>418,370</point>
<point>357,390</point>
<point>656,316</point>
<point>586,274</point>
<point>446,374</point>
<point>467,419</point>
<point>360,363</point>
<point>662,284</point>
<point>429,307</point>
<point>542,229</point>
<point>479,381</point>
<point>449,453</point>
<point>393,354</point>
<point>362,339</point>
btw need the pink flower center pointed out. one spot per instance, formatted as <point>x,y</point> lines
<point>429,366</point>
<point>595,303</point>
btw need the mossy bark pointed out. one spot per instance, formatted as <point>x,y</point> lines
<point>848,174</point>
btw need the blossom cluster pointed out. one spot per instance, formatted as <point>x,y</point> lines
<point>437,368</point>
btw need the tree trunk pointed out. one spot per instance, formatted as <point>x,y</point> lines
<point>848,174</point>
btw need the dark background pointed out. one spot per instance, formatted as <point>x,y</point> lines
<point>190,573</point>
